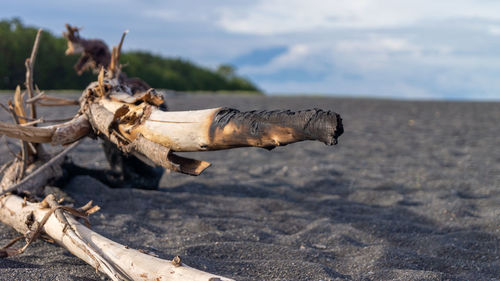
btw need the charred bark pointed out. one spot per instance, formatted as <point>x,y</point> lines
<point>268,129</point>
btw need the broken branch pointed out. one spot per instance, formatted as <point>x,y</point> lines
<point>115,260</point>
<point>223,128</point>
<point>56,101</point>
<point>30,63</point>
<point>64,133</point>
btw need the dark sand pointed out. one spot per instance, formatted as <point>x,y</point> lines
<point>412,192</point>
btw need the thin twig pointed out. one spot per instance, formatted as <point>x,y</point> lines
<point>33,149</point>
<point>41,120</point>
<point>60,101</point>
<point>20,117</point>
<point>35,98</point>
<point>114,67</point>
<point>59,120</point>
<point>32,237</point>
<point>5,107</point>
<point>13,113</point>
<point>5,166</point>
<point>54,159</point>
<point>38,121</point>
<point>119,51</point>
<point>51,98</point>
<point>30,63</point>
<point>12,242</point>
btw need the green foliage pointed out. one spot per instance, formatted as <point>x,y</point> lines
<point>54,70</point>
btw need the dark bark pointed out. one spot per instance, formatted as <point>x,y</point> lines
<point>232,128</point>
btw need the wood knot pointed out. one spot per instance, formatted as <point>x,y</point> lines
<point>177,261</point>
<point>30,220</point>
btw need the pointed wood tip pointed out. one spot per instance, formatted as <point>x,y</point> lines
<point>188,166</point>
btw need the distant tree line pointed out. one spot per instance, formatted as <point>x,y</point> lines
<point>54,70</point>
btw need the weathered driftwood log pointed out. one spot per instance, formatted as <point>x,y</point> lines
<point>142,127</point>
<point>135,121</point>
<point>117,261</point>
<point>29,172</point>
<point>223,128</point>
<point>136,124</point>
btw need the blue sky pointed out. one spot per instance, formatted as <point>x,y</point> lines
<point>413,49</point>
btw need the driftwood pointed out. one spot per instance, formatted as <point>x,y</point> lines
<point>118,262</point>
<point>94,52</point>
<point>96,55</point>
<point>126,170</point>
<point>136,125</point>
<point>133,120</point>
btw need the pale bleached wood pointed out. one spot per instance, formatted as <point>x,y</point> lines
<point>31,134</point>
<point>125,124</point>
<point>63,133</point>
<point>178,130</point>
<point>40,173</point>
<point>117,261</point>
<point>224,128</point>
<point>102,120</point>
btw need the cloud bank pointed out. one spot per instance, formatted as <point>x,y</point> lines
<point>403,49</point>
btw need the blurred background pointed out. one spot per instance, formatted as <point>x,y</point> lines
<point>397,49</point>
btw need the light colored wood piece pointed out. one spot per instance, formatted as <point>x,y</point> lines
<point>119,262</point>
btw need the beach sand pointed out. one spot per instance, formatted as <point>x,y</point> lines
<point>411,192</point>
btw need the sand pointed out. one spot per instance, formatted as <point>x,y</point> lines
<point>412,192</point>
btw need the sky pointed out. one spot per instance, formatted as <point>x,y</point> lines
<point>413,49</point>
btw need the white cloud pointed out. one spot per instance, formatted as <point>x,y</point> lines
<point>411,48</point>
<point>307,57</point>
<point>267,17</point>
<point>366,54</point>
<point>163,14</point>
<point>377,44</point>
<point>494,30</point>
<point>295,56</point>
